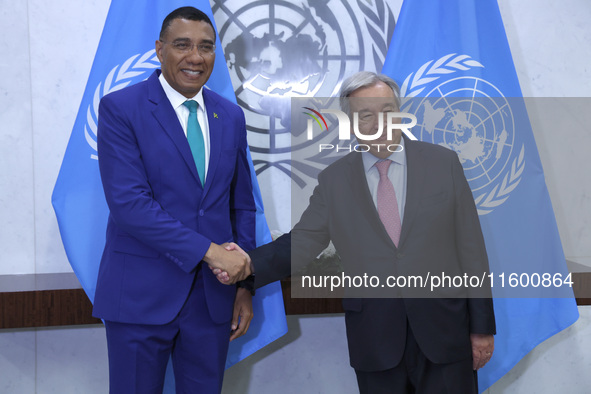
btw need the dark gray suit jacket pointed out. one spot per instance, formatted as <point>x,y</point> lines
<point>440,229</point>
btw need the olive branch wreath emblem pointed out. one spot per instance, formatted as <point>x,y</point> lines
<point>432,71</point>
<point>119,77</point>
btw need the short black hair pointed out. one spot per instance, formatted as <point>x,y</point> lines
<point>188,13</point>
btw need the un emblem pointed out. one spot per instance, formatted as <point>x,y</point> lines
<point>472,117</point>
<point>278,50</point>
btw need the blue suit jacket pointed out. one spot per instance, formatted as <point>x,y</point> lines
<point>162,220</point>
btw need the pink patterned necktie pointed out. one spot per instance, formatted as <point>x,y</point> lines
<point>387,203</point>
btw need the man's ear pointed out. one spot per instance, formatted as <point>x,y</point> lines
<point>158,47</point>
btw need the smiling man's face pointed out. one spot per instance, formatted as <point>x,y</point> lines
<point>186,72</point>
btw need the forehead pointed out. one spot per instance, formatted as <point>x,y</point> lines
<point>379,89</point>
<point>372,98</point>
<point>193,30</point>
<point>372,104</point>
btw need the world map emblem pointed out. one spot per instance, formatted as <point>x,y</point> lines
<point>278,50</point>
<point>472,117</point>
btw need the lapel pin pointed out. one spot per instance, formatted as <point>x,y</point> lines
<point>215,115</point>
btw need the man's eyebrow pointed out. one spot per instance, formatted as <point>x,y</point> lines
<point>186,39</point>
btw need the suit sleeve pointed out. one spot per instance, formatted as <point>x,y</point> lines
<point>272,261</point>
<point>291,252</point>
<point>472,252</point>
<point>242,204</point>
<point>130,197</point>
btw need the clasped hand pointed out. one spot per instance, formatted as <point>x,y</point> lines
<point>228,262</point>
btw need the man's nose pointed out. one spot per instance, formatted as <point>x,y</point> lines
<point>379,122</point>
<point>194,56</point>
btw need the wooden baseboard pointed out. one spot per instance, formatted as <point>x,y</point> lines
<point>41,303</point>
<point>45,308</point>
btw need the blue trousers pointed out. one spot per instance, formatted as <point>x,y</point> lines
<point>139,353</point>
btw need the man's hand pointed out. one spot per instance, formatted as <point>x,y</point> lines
<point>235,265</point>
<point>222,275</point>
<point>483,346</point>
<point>242,313</point>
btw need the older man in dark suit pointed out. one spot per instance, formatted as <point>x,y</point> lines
<point>403,212</point>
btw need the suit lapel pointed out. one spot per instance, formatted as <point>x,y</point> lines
<point>414,181</point>
<point>415,174</point>
<point>168,120</point>
<point>216,132</point>
<point>363,197</point>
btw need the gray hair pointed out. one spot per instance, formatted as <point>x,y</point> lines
<point>365,79</point>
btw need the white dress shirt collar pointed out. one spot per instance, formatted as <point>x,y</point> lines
<point>177,99</point>
<point>369,160</point>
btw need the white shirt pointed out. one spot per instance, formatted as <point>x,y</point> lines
<point>182,112</point>
<point>396,174</point>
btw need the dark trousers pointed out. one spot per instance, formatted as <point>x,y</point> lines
<point>417,375</point>
<point>139,353</point>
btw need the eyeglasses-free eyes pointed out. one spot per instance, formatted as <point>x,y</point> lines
<point>204,49</point>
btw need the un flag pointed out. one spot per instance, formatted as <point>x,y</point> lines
<point>453,63</point>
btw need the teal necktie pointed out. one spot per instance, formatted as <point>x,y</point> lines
<point>195,138</point>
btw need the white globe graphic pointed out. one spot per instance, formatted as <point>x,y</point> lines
<point>472,117</point>
<point>279,50</point>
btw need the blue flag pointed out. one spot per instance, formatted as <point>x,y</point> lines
<point>453,59</point>
<point>125,56</point>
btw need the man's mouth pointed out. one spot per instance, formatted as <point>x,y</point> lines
<point>192,73</point>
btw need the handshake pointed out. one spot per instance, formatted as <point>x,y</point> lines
<point>228,262</point>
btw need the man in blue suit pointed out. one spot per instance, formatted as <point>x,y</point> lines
<point>176,178</point>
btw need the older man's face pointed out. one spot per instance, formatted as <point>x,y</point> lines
<point>370,103</point>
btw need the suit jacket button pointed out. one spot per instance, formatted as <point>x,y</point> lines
<point>399,255</point>
<point>201,212</point>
